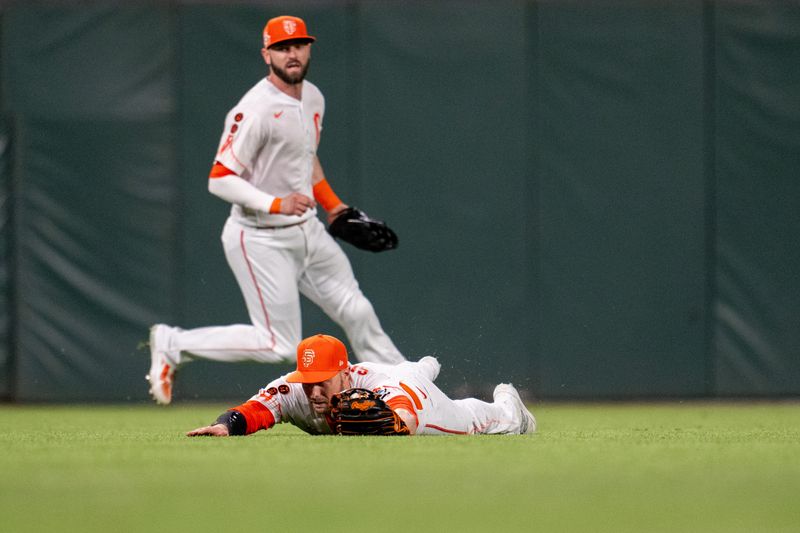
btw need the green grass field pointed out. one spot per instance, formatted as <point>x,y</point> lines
<point>701,467</point>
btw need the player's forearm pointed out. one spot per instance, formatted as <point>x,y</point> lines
<point>323,193</point>
<point>317,174</point>
<point>409,419</point>
<point>236,190</point>
<point>247,418</point>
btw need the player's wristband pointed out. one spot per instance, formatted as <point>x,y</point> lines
<point>275,208</point>
<point>234,421</point>
<point>325,195</point>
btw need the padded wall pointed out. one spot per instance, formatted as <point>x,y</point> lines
<point>95,163</point>
<point>6,261</point>
<point>757,123</point>
<point>593,201</point>
<point>6,249</point>
<point>442,155</point>
<point>619,144</point>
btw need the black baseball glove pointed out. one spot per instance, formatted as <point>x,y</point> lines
<point>363,412</point>
<point>354,226</point>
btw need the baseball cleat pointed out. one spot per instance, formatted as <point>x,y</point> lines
<point>162,370</point>
<point>431,367</point>
<point>507,391</point>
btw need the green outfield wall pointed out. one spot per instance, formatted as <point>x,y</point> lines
<point>594,200</point>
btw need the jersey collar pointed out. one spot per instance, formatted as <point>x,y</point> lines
<point>277,93</point>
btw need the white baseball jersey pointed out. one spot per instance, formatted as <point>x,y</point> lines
<point>270,140</point>
<point>404,386</point>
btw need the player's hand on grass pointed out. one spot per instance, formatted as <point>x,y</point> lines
<point>296,204</point>
<point>217,430</point>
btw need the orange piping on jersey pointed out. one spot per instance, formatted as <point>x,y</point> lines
<point>445,430</point>
<point>325,195</point>
<point>220,171</point>
<point>256,414</point>
<point>316,125</point>
<point>410,391</point>
<point>275,207</point>
<point>258,291</point>
<point>229,144</point>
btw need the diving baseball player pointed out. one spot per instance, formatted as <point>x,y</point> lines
<point>267,168</point>
<point>303,398</point>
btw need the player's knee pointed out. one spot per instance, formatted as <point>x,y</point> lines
<point>276,347</point>
<point>286,350</point>
<point>358,309</point>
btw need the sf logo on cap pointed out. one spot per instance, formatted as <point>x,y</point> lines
<point>289,26</point>
<point>308,357</point>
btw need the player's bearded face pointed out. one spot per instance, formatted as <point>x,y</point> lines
<point>290,63</point>
<point>294,73</point>
<point>319,394</point>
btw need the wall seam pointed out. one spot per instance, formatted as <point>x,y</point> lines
<point>177,308</point>
<point>11,252</point>
<point>710,190</point>
<point>355,122</point>
<point>533,225</point>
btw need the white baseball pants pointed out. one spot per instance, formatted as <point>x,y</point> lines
<point>273,266</point>
<point>437,414</point>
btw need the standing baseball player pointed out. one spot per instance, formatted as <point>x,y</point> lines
<point>415,406</point>
<point>267,168</point>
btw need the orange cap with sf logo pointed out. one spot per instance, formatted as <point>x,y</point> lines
<point>319,358</point>
<point>285,28</point>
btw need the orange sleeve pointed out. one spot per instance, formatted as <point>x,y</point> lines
<point>257,416</point>
<point>219,170</point>
<point>402,402</point>
<point>325,195</point>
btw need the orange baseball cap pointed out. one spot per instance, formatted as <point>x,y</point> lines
<point>285,28</point>
<point>319,358</point>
